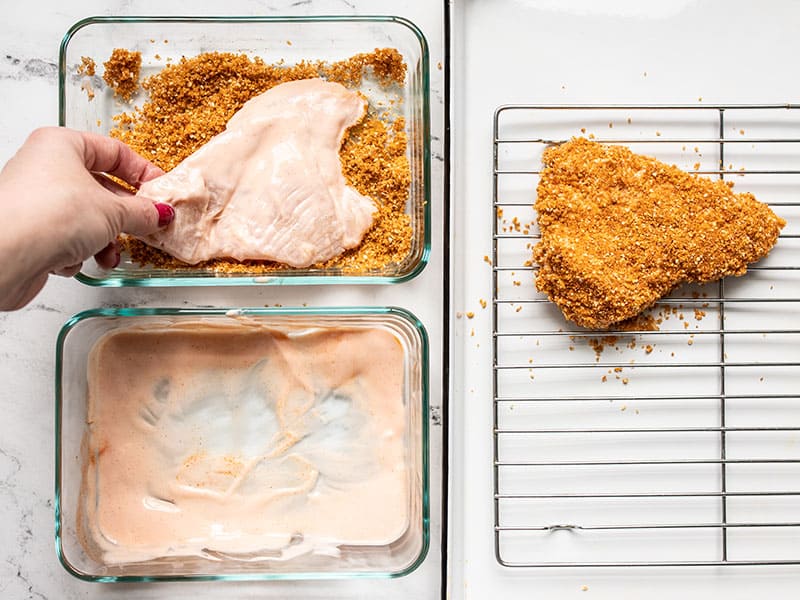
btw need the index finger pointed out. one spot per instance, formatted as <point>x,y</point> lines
<point>109,155</point>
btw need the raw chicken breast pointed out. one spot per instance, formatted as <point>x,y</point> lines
<point>269,187</point>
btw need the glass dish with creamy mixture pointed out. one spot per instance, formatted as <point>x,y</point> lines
<point>244,442</point>
<point>168,86</point>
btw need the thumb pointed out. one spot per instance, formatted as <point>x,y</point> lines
<point>142,216</point>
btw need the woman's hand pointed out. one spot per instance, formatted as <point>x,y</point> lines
<point>57,210</point>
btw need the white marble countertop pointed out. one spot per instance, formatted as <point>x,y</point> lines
<point>28,84</point>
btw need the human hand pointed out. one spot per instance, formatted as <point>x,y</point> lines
<point>58,210</point>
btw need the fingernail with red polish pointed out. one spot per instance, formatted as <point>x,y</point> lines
<point>165,214</point>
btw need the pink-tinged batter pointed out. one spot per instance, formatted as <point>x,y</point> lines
<point>269,187</point>
<point>207,439</point>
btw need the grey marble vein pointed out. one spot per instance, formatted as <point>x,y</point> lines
<point>20,69</point>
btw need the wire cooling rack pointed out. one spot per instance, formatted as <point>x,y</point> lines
<point>679,446</point>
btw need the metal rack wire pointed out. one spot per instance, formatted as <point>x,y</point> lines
<point>679,446</point>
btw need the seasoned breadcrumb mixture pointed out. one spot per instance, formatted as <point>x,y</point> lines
<point>87,66</point>
<point>190,101</point>
<point>620,230</point>
<point>122,72</point>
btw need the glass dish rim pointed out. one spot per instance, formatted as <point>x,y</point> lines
<point>404,314</point>
<point>269,279</point>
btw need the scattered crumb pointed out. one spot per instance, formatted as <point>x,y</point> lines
<point>482,302</point>
<point>584,588</point>
<point>583,129</point>
<point>439,65</point>
<point>599,344</point>
<point>519,308</point>
<point>610,125</point>
<point>470,314</point>
<point>696,166</point>
<point>623,408</point>
<point>122,72</point>
<point>640,322</point>
<point>629,120</point>
<point>472,333</point>
<point>86,86</point>
<point>741,132</point>
<point>517,283</point>
<point>658,133</point>
<point>604,378</point>
<point>700,99</point>
<point>625,380</point>
<point>288,42</point>
<point>87,67</point>
<point>487,260</point>
<point>459,314</point>
<point>99,122</point>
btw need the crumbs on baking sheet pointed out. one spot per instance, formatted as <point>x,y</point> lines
<point>191,101</point>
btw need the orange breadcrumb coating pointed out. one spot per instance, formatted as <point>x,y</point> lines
<point>191,101</point>
<point>620,230</point>
<point>122,72</point>
<point>87,66</point>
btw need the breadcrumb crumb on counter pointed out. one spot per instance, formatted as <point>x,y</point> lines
<point>122,72</point>
<point>191,101</point>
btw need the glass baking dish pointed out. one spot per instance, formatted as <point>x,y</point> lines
<point>226,420</point>
<point>274,39</point>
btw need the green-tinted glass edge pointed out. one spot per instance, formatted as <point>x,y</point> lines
<point>403,313</point>
<point>211,280</point>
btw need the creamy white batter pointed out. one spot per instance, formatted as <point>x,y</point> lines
<point>207,439</point>
<point>270,186</point>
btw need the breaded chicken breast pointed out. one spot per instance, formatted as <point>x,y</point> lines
<point>620,230</point>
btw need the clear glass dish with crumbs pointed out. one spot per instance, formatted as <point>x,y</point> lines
<point>212,65</point>
<point>222,444</point>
